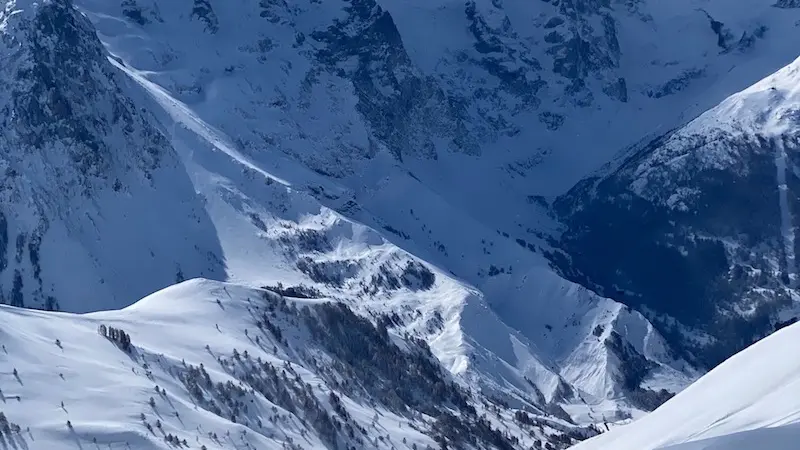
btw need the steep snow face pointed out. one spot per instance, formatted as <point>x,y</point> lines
<point>749,400</point>
<point>85,173</point>
<point>714,206</point>
<point>217,365</point>
<point>604,349</point>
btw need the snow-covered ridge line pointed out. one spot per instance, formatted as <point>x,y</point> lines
<point>714,203</point>
<point>211,365</point>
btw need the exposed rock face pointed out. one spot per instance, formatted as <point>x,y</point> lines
<point>406,110</point>
<point>787,4</point>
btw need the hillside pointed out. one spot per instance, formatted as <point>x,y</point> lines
<point>211,365</point>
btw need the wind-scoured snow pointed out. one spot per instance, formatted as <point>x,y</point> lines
<point>750,401</point>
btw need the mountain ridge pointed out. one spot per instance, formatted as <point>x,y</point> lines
<point>327,150</point>
<point>715,200</point>
<point>231,365</point>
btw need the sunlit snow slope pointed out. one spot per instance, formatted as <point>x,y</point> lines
<point>750,401</point>
<point>220,366</point>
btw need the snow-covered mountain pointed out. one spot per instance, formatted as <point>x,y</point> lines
<point>750,401</point>
<point>86,172</point>
<point>713,206</point>
<point>398,159</point>
<point>211,365</point>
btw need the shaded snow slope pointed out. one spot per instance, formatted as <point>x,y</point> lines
<point>86,172</point>
<point>222,366</point>
<point>751,400</point>
<point>713,204</point>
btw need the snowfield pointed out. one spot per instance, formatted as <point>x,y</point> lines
<point>75,388</point>
<point>750,401</point>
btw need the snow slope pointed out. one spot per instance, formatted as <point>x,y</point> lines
<point>750,401</point>
<point>769,110</point>
<point>223,366</point>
